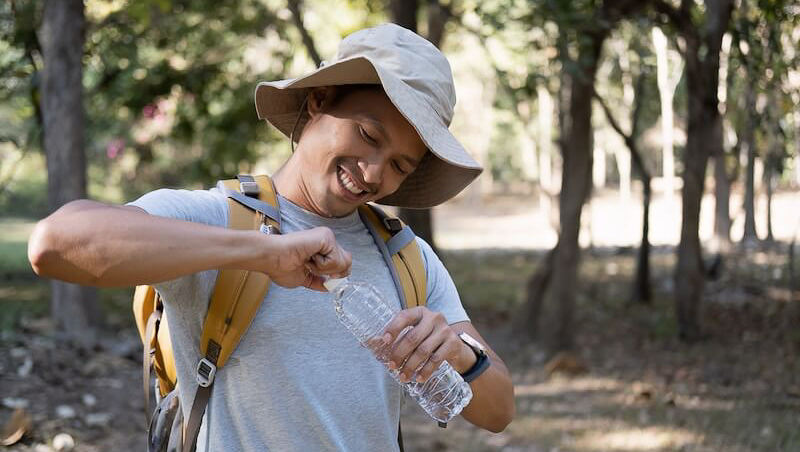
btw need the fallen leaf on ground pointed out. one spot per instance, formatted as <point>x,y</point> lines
<point>17,426</point>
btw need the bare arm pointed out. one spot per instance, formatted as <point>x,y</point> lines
<point>432,341</point>
<point>91,243</point>
<point>492,405</point>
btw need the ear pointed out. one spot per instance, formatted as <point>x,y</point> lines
<point>319,99</point>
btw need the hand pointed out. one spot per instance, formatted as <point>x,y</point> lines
<point>301,258</point>
<point>420,352</point>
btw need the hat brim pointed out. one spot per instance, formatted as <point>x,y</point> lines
<point>443,172</point>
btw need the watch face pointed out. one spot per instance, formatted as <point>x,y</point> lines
<point>472,342</point>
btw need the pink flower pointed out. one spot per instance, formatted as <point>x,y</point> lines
<point>115,147</point>
<point>149,111</point>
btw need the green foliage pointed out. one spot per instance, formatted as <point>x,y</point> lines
<point>168,84</point>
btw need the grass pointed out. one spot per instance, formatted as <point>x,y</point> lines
<point>14,247</point>
<point>23,295</point>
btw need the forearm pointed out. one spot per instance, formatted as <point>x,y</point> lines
<point>492,404</point>
<point>95,244</point>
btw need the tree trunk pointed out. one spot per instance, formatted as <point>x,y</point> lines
<point>722,178</point>
<point>642,291</point>
<point>62,37</point>
<point>689,275</point>
<point>768,175</point>
<point>722,196</point>
<point>576,184</point>
<point>750,233</point>
<point>702,74</point>
<point>528,322</point>
<point>666,91</point>
<point>404,13</point>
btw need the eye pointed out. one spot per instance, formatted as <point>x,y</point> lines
<point>366,136</point>
<point>398,168</point>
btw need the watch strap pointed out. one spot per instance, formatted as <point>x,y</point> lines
<point>480,366</point>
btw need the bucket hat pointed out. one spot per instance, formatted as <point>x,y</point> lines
<point>417,79</point>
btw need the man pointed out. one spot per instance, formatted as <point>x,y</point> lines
<point>370,126</point>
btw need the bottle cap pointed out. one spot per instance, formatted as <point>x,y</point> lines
<point>332,283</point>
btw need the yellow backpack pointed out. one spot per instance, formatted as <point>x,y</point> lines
<point>237,294</point>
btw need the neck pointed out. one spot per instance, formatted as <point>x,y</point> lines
<point>289,183</point>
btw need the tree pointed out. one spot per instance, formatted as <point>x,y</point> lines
<point>582,31</point>
<point>701,32</point>
<point>723,176</point>
<point>641,291</point>
<point>667,82</point>
<point>62,37</point>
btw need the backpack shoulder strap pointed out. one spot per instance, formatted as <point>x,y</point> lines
<point>401,252</point>
<point>252,204</point>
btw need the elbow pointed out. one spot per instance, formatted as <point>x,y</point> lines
<point>41,249</point>
<point>502,421</point>
<point>504,413</point>
<point>48,238</point>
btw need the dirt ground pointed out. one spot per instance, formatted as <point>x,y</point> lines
<point>641,389</point>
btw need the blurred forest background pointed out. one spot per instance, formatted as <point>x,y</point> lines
<point>630,249</point>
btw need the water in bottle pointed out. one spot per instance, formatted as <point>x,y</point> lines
<point>362,309</point>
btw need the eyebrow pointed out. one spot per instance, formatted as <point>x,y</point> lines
<point>379,125</point>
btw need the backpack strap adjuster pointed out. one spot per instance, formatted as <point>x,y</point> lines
<point>248,185</point>
<point>206,370</point>
<point>393,224</point>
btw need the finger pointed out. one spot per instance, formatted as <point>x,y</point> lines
<point>347,263</point>
<point>406,351</point>
<point>317,284</point>
<point>401,320</point>
<point>336,263</point>
<point>422,354</point>
<point>313,281</point>
<point>446,349</point>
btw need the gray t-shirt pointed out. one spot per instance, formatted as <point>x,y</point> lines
<point>298,379</point>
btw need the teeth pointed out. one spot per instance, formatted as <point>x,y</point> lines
<point>348,183</point>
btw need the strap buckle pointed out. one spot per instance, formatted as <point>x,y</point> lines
<point>393,224</point>
<point>249,188</point>
<point>269,229</point>
<point>206,370</point>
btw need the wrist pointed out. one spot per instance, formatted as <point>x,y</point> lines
<point>249,250</point>
<point>466,358</point>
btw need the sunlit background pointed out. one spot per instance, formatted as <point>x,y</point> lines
<point>168,94</point>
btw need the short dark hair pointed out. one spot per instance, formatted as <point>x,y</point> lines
<point>342,91</point>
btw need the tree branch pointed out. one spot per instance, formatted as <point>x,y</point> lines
<point>295,7</point>
<point>629,139</point>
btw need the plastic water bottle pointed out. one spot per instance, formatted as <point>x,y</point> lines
<point>362,309</point>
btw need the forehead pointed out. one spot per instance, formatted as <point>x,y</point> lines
<point>372,104</point>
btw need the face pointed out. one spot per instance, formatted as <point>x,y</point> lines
<point>354,149</point>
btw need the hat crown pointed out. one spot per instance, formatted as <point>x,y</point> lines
<point>409,57</point>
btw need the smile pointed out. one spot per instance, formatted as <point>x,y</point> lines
<point>348,183</point>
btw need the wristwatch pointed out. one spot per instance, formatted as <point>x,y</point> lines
<point>481,364</point>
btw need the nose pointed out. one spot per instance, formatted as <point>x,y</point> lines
<point>372,170</point>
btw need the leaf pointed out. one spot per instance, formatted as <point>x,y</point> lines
<point>17,426</point>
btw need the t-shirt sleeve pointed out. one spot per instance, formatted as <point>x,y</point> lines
<point>441,291</point>
<point>198,206</point>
